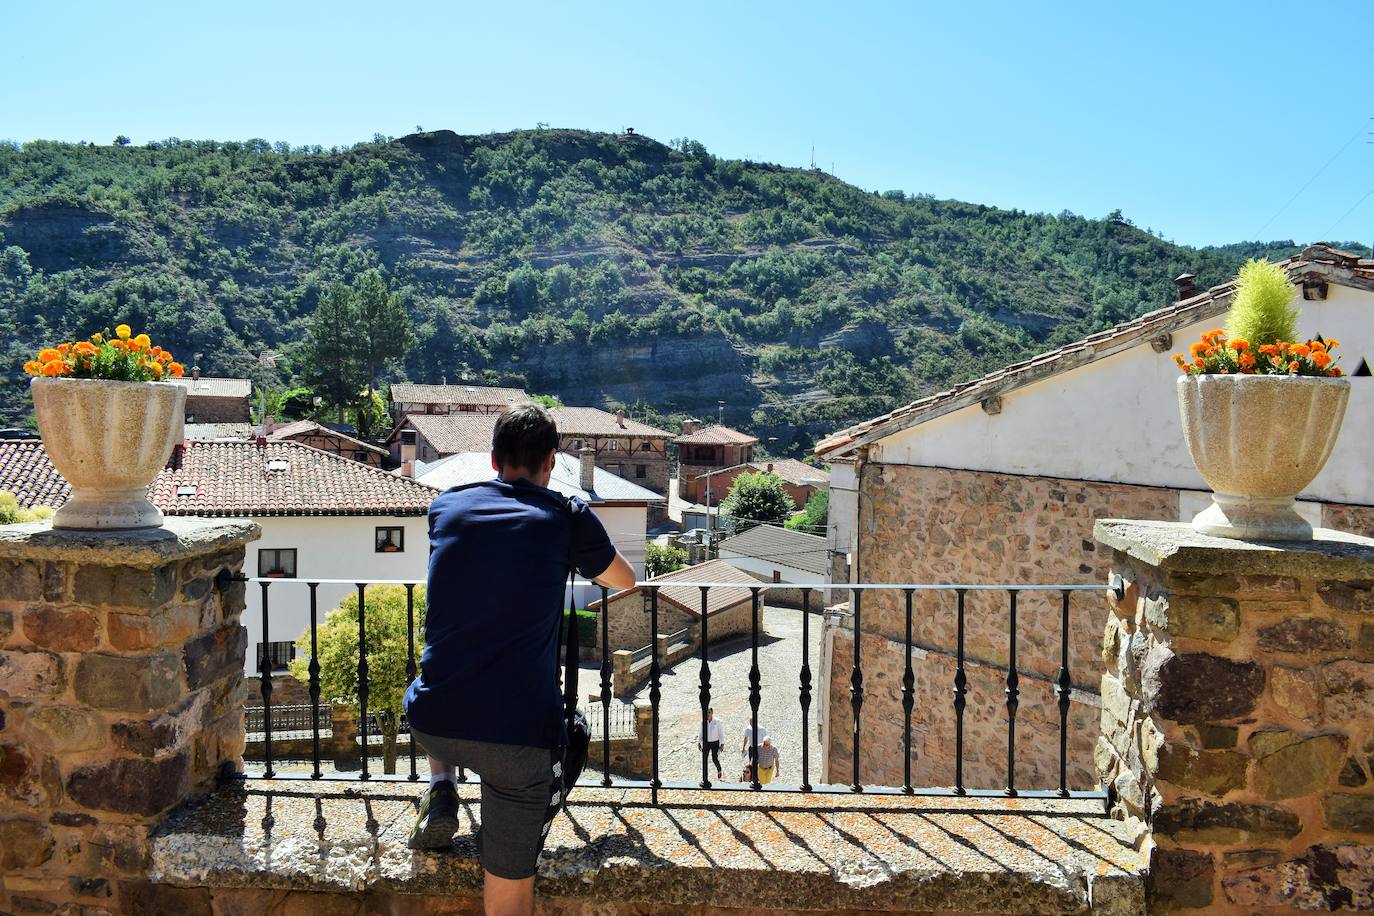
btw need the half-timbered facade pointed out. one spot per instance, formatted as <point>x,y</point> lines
<point>627,448</point>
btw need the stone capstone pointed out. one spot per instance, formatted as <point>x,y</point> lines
<point>128,683</point>
<point>1200,687</point>
<point>1352,813</point>
<point>1233,823</point>
<point>1303,767</point>
<point>130,785</point>
<point>1305,634</point>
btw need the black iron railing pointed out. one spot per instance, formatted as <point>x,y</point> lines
<point>293,721</point>
<point>623,720</point>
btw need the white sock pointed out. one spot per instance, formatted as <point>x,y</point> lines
<point>436,778</point>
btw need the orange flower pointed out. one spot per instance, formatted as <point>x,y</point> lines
<point>1334,371</point>
<point>1322,359</point>
<point>1283,346</point>
<point>1199,348</point>
<point>33,367</point>
<point>54,368</point>
<point>84,348</point>
<point>1332,344</point>
<point>1211,351</point>
<point>142,342</point>
<point>176,369</point>
<point>1247,360</point>
<point>1240,345</point>
<point>1316,345</point>
<point>1199,363</point>
<point>1293,367</point>
<point>1302,349</point>
<point>164,357</point>
<point>64,349</point>
<point>47,355</point>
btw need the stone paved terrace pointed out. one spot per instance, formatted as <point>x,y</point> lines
<point>340,847</point>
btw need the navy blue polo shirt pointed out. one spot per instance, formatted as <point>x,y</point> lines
<point>498,574</point>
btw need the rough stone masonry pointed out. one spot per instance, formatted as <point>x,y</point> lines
<point>121,661</point>
<point>1238,715</point>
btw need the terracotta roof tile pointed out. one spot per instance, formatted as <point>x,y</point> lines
<point>407,392</point>
<point>1320,260</point>
<point>592,421</point>
<point>716,435</point>
<point>454,433</point>
<point>789,469</point>
<point>311,428</point>
<point>26,472</point>
<point>688,597</point>
<point>207,387</point>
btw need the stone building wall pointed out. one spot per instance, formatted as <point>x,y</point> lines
<point>629,624</point>
<point>121,667</point>
<point>931,525</point>
<point>1354,519</point>
<point>218,410</point>
<point>1238,716</point>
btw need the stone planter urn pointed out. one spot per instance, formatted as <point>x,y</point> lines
<point>109,440</point>
<point>1258,441</point>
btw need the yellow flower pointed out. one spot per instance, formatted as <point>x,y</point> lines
<point>123,332</point>
<point>142,342</point>
<point>33,367</point>
<point>97,338</point>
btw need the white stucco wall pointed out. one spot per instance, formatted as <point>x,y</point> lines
<point>327,547</point>
<point>1117,419</point>
<point>844,510</point>
<point>766,568</point>
<point>626,526</point>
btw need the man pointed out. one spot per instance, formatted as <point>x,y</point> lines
<point>747,745</point>
<point>715,737</point>
<point>770,762</point>
<point>487,695</point>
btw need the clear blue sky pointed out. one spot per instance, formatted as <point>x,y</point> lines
<point>1201,120</point>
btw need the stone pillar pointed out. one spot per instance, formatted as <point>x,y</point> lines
<point>1238,715</point>
<point>121,667</point>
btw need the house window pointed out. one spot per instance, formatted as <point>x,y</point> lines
<point>577,445</point>
<point>641,471</point>
<point>391,540</point>
<point>613,446</point>
<point>614,469</point>
<point>279,654</point>
<point>704,453</point>
<point>277,563</point>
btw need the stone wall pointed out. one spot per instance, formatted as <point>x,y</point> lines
<point>1354,519</point>
<point>930,525</point>
<point>218,410</point>
<point>1238,715</point>
<point>121,667</point>
<point>628,626</point>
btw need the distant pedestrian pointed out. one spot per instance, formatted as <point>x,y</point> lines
<point>770,762</point>
<point>746,746</point>
<point>713,737</point>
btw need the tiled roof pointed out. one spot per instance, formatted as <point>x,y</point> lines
<point>207,387</point>
<point>26,472</point>
<point>406,392</point>
<point>282,478</point>
<point>311,428</point>
<point>472,467</point>
<point>592,421</point>
<point>783,547</point>
<point>789,469</point>
<point>716,435</point>
<point>454,433</point>
<point>1318,261</point>
<point>688,597</point>
<point>208,432</point>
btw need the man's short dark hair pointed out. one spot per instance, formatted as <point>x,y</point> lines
<point>523,437</point>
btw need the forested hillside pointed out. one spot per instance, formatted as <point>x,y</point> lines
<point>603,269</point>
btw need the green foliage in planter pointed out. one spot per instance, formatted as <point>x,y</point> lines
<point>1262,311</point>
<point>10,512</point>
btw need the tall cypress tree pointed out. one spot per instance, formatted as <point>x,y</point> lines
<point>334,367</point>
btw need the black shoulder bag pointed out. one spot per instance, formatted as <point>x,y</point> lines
<point>577,734</point>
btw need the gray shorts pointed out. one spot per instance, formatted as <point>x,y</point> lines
<point>518,783</point>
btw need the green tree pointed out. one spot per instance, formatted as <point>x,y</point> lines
<point>813,518</point>
<point>332,365</point>
<point>659,559</point>
<point>122,140</point>
<point>757,499</point>
<point>386,657</point>
<point>382,326</point>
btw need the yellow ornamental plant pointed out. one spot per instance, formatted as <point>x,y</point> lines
<point>121,356</point>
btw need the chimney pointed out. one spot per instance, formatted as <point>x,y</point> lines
<point>690,426</point>
<point>586,478</point>
<point>408,441</point>
<point>1187,286</point>
<point>195,373</point>
<point>620,418</point>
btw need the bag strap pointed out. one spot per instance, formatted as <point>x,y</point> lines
<point>570,659</point>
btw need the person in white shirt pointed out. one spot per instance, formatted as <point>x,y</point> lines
<point>712,737</point>
<point>746,747</point>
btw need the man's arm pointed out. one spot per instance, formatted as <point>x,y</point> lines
<point>620,574</point>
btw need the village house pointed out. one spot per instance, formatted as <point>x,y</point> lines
<point>317,435</point>
<point>1000,479</point>
<point>427,438</point>
<point>408,398</point>
<point>627,448</point>
<point>799,479</point>
<point>771,553</point>
<point>701,450</point>
<point>216,400</point>
<point>621,505</point>
<point>210,432</point>
<point>728,610</point>
<point>322,517</point>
